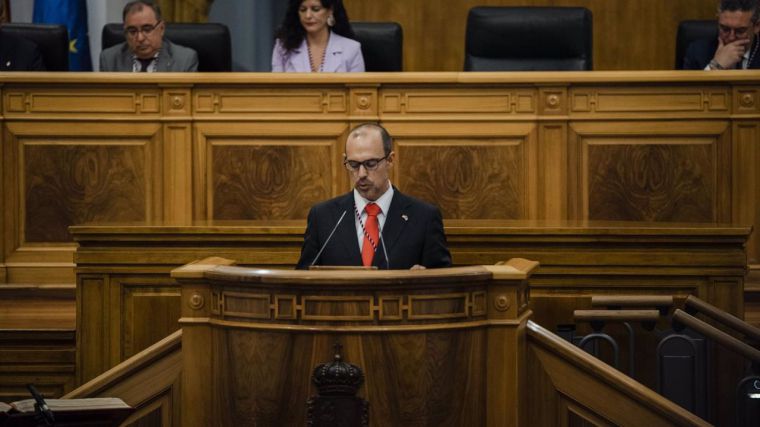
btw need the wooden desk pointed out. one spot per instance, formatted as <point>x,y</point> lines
<point>126,299</point>
<point>444,346</point>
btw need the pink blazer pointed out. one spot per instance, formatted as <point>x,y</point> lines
<point>342,55</point>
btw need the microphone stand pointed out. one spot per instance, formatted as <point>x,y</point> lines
<point>40,407</point>
<point>385,251</point>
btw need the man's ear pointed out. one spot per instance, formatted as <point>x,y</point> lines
<point>391,157</point>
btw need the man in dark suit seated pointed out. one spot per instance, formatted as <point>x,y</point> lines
<point>18,53</point>
<point>737,44</point>
<point>146,50</point>
<point>375,224</point>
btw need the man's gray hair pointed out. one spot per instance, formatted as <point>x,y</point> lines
<point>742,6</point>
<point>136,6</point>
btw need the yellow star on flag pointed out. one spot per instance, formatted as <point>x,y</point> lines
<point>73,46</point>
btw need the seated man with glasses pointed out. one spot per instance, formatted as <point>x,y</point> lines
<point>146,50</point>
<point>374,224</point>
<point>737,44</point>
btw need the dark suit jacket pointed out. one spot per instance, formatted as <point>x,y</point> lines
<point>413,234</point>
<point>701,52</point>
<point>171,58</point>
<point>19,54</point>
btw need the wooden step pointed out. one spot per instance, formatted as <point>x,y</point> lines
<point>37,306</point>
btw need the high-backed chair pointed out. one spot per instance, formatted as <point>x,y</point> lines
<point>382,45</point>
<point>52,40</point>
<point>210,40</point>
<point>528,39</point>
<point>690,31</point>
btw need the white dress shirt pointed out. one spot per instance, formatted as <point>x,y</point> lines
<point>360,202</point>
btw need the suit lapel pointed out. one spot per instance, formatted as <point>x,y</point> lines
<point>395,223</point>
<point>333,54</point>
<point>346,232</point>
<point>299,58</point>
<point>754,55</point>
<point>165,60</point>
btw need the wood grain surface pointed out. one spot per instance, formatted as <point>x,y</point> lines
<point>628,34</point>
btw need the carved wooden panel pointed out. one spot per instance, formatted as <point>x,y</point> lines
<point>271,100</point>
<point>467,179</point>
<point>747,99</point>
<point>150,311</point>
<point>76,182</point>
<point>455,100</point>
<point>99,101</point>
<point>650,171</point>
<point>437,377</point>
<point>663,100</point>
<point>270,179</point>
<point>651,180</point>
<point>246,305</point>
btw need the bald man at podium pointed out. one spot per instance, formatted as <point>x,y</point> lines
<point>374,225</point>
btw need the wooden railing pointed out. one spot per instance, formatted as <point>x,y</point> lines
<point>715,334</point>
<point>567,386</point>
<point>148,381</point>
<point>696,305</point>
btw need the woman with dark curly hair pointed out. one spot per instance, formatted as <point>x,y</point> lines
<point>316,36</point>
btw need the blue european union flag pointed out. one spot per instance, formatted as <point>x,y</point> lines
<point>72,14</point>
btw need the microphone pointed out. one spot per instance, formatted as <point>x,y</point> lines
<point>324,245</point>
<point>40,407</point>
<point>385,252</point>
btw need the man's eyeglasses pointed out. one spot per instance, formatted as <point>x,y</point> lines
<point>145,29</point>
<point>738,32</point>
<point>369,164</point>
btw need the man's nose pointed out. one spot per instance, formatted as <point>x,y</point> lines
<point>363,171</point>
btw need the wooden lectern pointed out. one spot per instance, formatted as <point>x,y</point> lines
<point>437,347</point>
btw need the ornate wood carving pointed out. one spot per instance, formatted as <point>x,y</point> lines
<point>269,181</point>
<point>77,183</point>
<point>337,404</point>
<point>467,179</point>
<point>628,180</point>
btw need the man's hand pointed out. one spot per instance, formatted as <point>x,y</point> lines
<point>728,55</point>
<point>417,267</point>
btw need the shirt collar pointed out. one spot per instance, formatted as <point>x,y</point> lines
<point>383,201</point>
<point>151,67</point>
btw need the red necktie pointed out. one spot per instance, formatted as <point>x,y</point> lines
<point>371,234</point>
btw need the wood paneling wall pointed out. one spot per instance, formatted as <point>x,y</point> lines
<point>628,34</point>
<point>641,146</point>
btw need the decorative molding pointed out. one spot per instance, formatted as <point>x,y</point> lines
<point>501,302</point>
<point>649,100</point>
<point>407,307</point>
<point>459,101</point>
